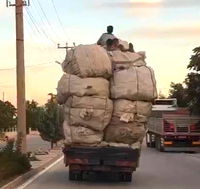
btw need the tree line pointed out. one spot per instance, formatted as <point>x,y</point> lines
<point>188,92</point>
<point>46,119</point>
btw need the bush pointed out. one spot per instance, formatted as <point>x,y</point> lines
<point>12,162</point>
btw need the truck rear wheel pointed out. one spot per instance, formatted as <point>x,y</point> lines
<point>149,140</point>
<point>159,146</point>
<point>125,177</point>
<point>75,175</point>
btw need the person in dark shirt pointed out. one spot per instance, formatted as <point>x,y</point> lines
<point>105,36</point>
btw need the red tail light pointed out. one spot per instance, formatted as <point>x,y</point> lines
<point>195,127</point>
<point>168,127</point>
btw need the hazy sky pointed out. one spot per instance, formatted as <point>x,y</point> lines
<point>167,30</point>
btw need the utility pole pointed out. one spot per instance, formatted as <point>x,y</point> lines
<point>65,47</point>
<point>20,69</point>
<point>3,96</point>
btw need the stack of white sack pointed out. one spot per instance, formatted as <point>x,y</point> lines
<point>88,61</point>
<point>73,85</point>
<point>92,76</point>
<point>85,95</point>
<point>133,88</point>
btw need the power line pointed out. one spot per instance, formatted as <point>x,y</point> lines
<point>35,25</point>
<point>30,66</point>
<point>51,28</point>
<point>57,15</point>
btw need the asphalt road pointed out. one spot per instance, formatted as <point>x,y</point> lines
<point>157,171</point>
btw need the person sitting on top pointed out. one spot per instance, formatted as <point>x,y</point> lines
<point>114,44</point>
<point>105,36</point>
<point>109,44</point>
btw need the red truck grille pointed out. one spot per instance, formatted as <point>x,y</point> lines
<point>182,129</point>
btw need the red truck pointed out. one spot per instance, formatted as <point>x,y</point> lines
<point>116,163</point>
<point>170,129</point>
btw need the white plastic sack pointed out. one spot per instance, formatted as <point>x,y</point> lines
<point>124,43</point>
<point>73,85</point>
<point>124,60</point>
<point>127,133</point>
<point>92,112</point>
<point>81,135</point>
<point>88,61</point>
<point>122,106</point>
<point>135,83</point>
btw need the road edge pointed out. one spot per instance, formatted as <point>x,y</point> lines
<point>25,177</point>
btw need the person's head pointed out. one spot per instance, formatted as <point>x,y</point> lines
<point>110,29</point>
<point>109,42</point>
<point>115,42</point>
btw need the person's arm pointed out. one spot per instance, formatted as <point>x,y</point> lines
<point>100,40</point>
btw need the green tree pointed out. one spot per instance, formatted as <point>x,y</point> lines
<point>50,127</point>
<point>33,115</point>
<point>7,115</point>
<point>180,93</point>
<point>193,82</point>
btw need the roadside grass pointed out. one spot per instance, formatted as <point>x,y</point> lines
<point>12,163</point>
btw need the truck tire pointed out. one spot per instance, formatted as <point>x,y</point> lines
<point>159,146</point>
<point>125,177</point>
<point>149,141</point>
<point>75,175</point>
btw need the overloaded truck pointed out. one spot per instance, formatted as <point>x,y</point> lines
<point>107,98</point>
<point>172,129</point>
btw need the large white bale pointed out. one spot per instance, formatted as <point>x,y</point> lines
<point>126,107</point>
<point>73,85</point>
<point>135,83</point>
<point>81,135</point>
<point>125,44</point>
<point>88,61</point>
<point>124,60</point>
<point>127,133</point>
<point>92,112</point>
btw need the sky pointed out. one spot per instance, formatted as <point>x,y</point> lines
<point>167,30</point>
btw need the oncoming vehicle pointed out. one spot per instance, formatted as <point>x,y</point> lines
<point>171,128</point>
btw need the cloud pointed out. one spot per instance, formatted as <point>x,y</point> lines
<point>164,4</point>
<point>169,31</point>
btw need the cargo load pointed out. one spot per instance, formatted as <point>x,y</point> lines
<point>135,83</point>
<point>81,135</point>
<point>127,133</point>
<point>93,112</point>
<point>70,85</point>
<point>88,61</point>
<point>122,106</point>
<point>124,60</point>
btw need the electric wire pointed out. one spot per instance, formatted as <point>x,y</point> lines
<point>37,28</point>
<point>44,19</point>
<point>28,66</point>
<point>58,17</point>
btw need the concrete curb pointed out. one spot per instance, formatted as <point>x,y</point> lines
<point>23,178</point>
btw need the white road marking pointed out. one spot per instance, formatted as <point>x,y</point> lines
<point>39,174</point>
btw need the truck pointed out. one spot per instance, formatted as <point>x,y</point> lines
<point>115,163</point>
<point>172,129</point>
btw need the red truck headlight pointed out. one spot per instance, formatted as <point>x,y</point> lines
<point>195,127</point>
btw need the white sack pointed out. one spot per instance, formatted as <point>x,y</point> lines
<point>122,106</point>
<point>135,83</point>
<point>88,61</point>
<point>124,43</point>
<point>127,133</point>
<point>73,85</point>
<point>124,60</point>
<point>92,112</point>
<point>81,135</point>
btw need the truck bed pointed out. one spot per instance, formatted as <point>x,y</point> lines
<point>120,160</point>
